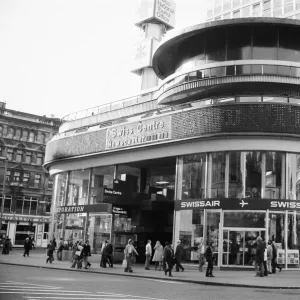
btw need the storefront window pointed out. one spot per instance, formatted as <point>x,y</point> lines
<point>212,231</point>
<point>216,178</point>
<point>253,174</point>
<point>274,174</point>
<point>293,240</point>
<point>235,175</point>
<point>293,166</point>
<point>74,227</point>
<point>78,187</point>
<point>99,230</point>
<point>102,177</point>
<point>244,219</point>
<point>193,176</point>
<point>191,232</point>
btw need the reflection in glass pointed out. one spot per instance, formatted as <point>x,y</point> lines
<point>212,231</point>
<point>253,174</point>
<point>235,175</point>
<point>274,175</point>
<point>193,176</point>
<point>102,177</point>
<point>276,228</point>
<point>74,228</point>
<point>239,48</point>
<point>244,219</point>
<point>293,164</point>
<point>217,187</point>
<point>78,187</point>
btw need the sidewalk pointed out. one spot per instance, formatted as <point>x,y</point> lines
<point>280,280</point>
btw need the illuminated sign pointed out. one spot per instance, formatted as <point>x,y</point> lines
<point>119,210</point>
<point>138,133</point>
<point>239,204</point>
<point>112,192</point>
<point>24,219</point>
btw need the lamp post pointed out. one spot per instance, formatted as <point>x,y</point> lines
<point>3,159</point>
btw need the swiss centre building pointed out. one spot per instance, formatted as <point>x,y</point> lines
<point>213,152</point>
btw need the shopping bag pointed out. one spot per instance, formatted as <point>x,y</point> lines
<point>124,263</point>
<point>78,253</point>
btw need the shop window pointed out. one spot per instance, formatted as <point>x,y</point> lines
<point>212,232</point>
<point>28,157</point>
<point>37,180</point>
<point>78,187</point>
<point>253,174</point>
<point>19,155</point>
<point>276,230</point>
<point>39,159</point>
<point>10,154</point>
<point>193,176</point>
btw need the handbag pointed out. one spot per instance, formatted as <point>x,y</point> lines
<point>77,253</point>
<point>124,263</point>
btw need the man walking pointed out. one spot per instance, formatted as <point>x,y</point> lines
<point>86,252</point>
<point>209,259</point>
<point>26,247</point>
<point>104,255</point>
<point>109,253</point>
<point>168,258</point>
<point>148,255</point>
<point>178,256</point>
<point>259,257</point>
<point>60,249</point>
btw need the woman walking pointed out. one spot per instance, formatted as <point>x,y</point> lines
<point>128,254</point>
<point>158,255</point>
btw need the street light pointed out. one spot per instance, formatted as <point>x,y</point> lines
<point>3,159</point>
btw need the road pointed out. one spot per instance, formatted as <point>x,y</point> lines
<point>20,283</point>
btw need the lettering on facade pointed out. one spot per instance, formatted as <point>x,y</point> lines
<point>204,204</point>
<point>285,204</point>
<point>119,210</point>
<point>22,219</point>
<point>70,209</point>
<point>112,192</point>
<point>165,11</point>
<point>138,133</point>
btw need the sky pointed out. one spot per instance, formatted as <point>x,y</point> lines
<point>62,56</point>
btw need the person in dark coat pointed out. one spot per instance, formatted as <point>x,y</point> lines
<point>78,256</point>
<point>169,258</point>
<point>50,250</point>
<point>26,247</point>
<point>109,253</point>
<point>259,257</point>
<point>6,246</point>
<point>86,252</point>
<point>104,255</point>
<point>178,256</point>
<point>274,257</point>
<point>210,261</point>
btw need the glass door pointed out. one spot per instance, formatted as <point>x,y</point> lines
<point>239,247</point>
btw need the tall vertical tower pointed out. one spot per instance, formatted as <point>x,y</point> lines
<point>229,9</point>
<point>154,17</point>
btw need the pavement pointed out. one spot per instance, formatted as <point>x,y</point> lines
<point>286,279</point>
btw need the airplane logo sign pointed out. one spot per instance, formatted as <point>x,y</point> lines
<point>243,203</point>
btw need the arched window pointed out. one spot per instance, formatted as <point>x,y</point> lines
<point>19,154</point>
<point>10,132</point>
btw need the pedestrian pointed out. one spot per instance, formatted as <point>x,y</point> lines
<point>109,253</point>
<point>54,243</point>
<point>259,258</point>
<point>210,261</point>
<point>86,252</point>
<point>178,256</point>
<point>274,262</point>
<point>26,247</point>
<point>269,257</point>
<point>78,256</point>
<point>148,255</point>
<point>6,246</point>
<point>158,255</point>
<point>129,251</point>
<point>60,249</point>
<point>103,260</point>
<point>74,248</point>
<point>30,243</point>
<point>201,255</point>
<point>265,258</point>
<point>50,250</point>
<point>169,258</point>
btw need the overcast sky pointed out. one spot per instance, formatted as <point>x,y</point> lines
<point>62,56</point>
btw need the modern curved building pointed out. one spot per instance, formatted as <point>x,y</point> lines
<point>213,153</point>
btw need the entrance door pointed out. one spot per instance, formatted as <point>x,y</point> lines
<point>239,247</point>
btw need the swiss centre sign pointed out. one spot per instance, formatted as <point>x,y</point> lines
<point>239,204</point>
<point>138,133</point>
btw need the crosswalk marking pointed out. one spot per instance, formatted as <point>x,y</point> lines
<point>39,292</point>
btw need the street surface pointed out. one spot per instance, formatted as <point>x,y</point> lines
<point>31,283</point>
